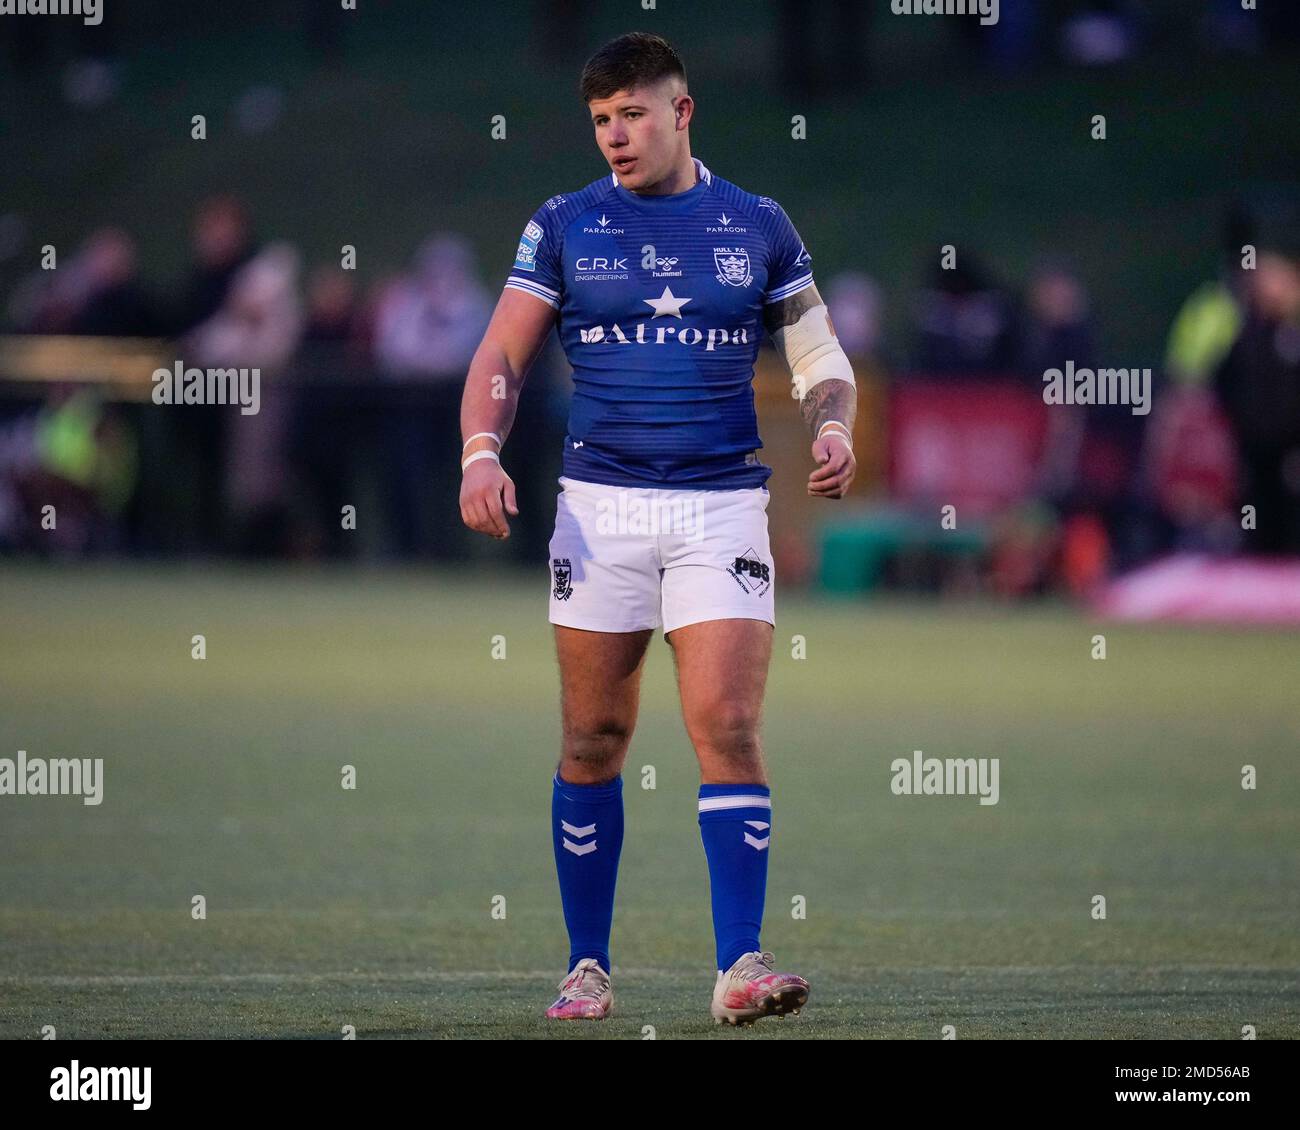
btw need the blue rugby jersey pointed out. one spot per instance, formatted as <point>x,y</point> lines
<point>660,304</point>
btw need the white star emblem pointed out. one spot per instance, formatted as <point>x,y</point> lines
<point>667,303</point>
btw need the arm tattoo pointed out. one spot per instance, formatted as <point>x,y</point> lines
<point>789,310</point>
<point>828,400</point>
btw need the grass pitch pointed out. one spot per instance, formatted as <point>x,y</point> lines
<point>326,907</point>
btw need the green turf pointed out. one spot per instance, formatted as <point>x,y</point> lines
<point>1119,777</point>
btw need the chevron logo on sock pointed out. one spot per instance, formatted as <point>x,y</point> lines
<point>579,833</point>
<point>753,841</point>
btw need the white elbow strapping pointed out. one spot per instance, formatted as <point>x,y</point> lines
<point>812,351</point>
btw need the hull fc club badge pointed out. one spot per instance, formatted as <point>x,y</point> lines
<point>733,266</point>
<point>563,571</point>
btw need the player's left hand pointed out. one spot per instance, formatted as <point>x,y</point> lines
<point>832,478</point>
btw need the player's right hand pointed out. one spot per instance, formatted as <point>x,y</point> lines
<point>487,494</point>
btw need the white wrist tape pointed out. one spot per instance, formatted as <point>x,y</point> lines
<point>479,435</point>
<point>839,429</point>
<point>812,351</point>
<point>480,455</point>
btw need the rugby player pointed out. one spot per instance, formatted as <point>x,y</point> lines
<point>662,276</point>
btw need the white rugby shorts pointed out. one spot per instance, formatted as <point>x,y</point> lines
<point>628,558</point>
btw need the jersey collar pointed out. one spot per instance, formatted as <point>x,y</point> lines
<point>674,201</point>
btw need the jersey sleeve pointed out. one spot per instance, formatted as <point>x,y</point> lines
<point>537,269</point>
<point>790,266</point>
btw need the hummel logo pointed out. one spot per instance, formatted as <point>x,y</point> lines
<point>577,443</point>
<point>757,844</point>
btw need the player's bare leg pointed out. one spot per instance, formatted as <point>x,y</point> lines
<point>600,685</point>
<point>721,676</point>
<point>600,689</point>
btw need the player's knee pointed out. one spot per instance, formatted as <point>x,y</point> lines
<point>728,729</point>
<point>597,743</point>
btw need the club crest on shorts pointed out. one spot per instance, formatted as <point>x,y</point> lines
<point>562,568</point>
<point>753,575</point>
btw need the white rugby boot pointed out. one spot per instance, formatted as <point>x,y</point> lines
<point>585,994</point>
<point>750,990</point>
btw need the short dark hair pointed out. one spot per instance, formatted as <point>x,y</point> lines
<point>630,60</point>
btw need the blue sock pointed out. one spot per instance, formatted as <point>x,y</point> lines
<point>587,826</point>
<point>735,823</point>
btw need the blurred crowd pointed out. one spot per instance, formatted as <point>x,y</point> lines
<point>359,407</point>
<point>1213,465</point>
<point>361,391</point>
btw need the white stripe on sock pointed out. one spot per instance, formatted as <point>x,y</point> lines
<point>742,800</point>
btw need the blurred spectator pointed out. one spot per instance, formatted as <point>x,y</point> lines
<point>261,320</point>
<point>1058,321</point>
<point>74,455</point>
<point>964,322</point>
<point>332,415</point>
<point>1203,331</point>
<point>428,325</point>
<point>259,326</point>
<point>1191,462</point>
<point>222,244</point>
<point>1092,470</point>
<point>857,305</point>
<point>331,306</point>
<point>1209,321</point>
<point>97,291</point>
<point>431,321</point>
<point>1259,388</point>
<point>115,304</point>
<point>1058,329</point>
<point>1190,456</point>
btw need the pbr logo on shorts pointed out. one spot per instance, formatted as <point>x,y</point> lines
<point>751,574</point>
<point>563,570</point>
